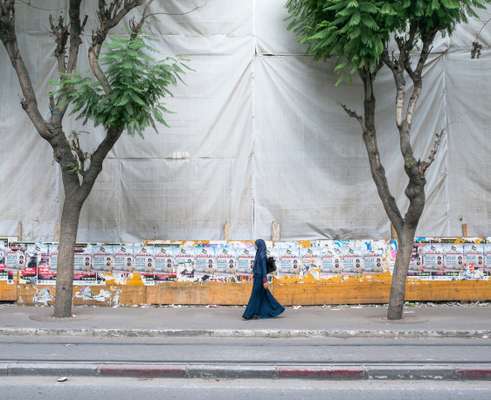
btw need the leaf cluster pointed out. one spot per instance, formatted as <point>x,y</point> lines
<point>138,83</point>
<point>356,32</point>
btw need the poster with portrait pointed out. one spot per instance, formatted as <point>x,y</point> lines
<point>24,257</point>
<point>82,258</point>
<point>165,269</point>
<point>144,263</point>
<point>433,255</point>
<point>101,257</point>
<point>373,252</point>
<point>8,270</point>
<point>487,258</point>
<point>416,267</point>
<point>46,255</point>
<point>453,259</point>
<point>310,257</point>
<point>352,252</point>
<point>474,257</point>
<point>328,257</point>
<point>84,273</point>
<point>287,256</point>
<point>205,263</point>
<point>6,274</point>
<point>185,264</point>
<point>123,260</point>
<point>245,251</point>
<point>226,262</point>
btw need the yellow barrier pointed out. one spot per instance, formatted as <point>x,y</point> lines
<point>373,290</point>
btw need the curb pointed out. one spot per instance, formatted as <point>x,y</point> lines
<point>368,372</point>
<point>245,333</point>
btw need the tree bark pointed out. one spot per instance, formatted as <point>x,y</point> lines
<point>399,275</point>
<point>68,237</point>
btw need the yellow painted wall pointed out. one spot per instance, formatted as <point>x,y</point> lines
<point>335,291</point>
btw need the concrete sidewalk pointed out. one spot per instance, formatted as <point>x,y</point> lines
<point>446,320</point>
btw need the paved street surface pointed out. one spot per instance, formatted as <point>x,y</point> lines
<point>46,388</point>
<point>448,348</point>
<point>203,350</point>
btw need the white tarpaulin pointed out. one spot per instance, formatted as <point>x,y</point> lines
<point>257,136</point>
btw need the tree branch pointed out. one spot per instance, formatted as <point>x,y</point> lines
<point>395,64</point>
<point>60,31</point>
<point>370,139</point>
<point>81,156</point>
<point>73,30</point>
<point>8,37</point>
<point>97,158</point>
<point>136,27</point>
<point>437,139</point>
<point>353,114</point>
<point>109,16</point>
<point>76,29</point>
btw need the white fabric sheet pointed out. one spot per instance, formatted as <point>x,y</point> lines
<point>257,135</point>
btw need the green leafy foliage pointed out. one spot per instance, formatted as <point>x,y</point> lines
<point>356,32</point>
<point>138,84</point>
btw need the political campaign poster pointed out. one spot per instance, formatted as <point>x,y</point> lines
<point>474,259</point>
<point>310,258</point>
<point>144,263</point>
<point>487,258</point>
<point>352,256</point>
<point>103,261</point>
<point>46,255</point>
<point>328,259</point>
<point>287,256</point>
<point>123,260</point>
<point>24,257</point>
<point>433,259</point>
<point>6,274</point>
<point>204,257</point>
<point>82,258</point>
<point>416,267</point>
<point>85,273</point>
<point>453,259</point>
<point>226,262</point>
<point>165,269</point>
<point>373,254</point>
<point>185,263</point>
<point>246,251</point>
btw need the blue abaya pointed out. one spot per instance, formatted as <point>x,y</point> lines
<point>261,304</point>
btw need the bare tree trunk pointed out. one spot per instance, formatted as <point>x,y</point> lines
<point>64,273</point>
<point>399,275</point>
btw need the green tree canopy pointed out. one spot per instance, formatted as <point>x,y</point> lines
<point>138,83</point>
<point>356,32</point>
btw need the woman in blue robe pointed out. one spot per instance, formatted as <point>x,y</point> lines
<point>261,304</point>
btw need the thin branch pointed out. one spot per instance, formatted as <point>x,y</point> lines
<point>136,27</point>
<point>97,158</point>
<point>60,32</point>
<point>81,156</point>
<point>8,37</point>
<point>353,114</point>
<point>76,29</point>
<point>109,17</point>
<point>437,139</point>
<point>370,140</point>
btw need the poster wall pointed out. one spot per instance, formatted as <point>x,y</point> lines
<point>233,261</point>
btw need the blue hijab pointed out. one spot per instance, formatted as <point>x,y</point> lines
<point>260,259</point>
<point>260,248</point>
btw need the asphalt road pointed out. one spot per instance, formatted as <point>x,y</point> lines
<point>47,388</point>
<point>247,350</point>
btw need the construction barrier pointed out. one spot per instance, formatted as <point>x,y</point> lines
<point>336,291</point>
